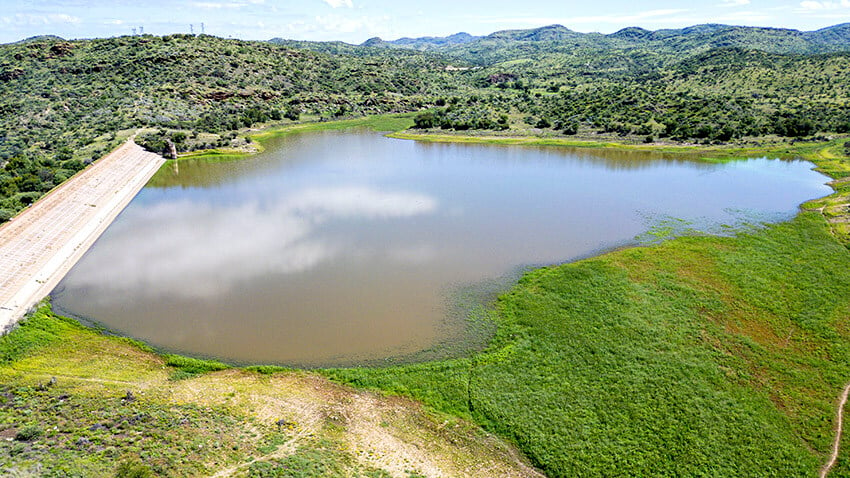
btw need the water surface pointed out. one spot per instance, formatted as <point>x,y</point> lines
<point>342,247</point>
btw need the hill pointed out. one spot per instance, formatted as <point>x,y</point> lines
<point>423,43</point>
<point>672,44</point>
<point>65,103</point>
<point>62,102</point>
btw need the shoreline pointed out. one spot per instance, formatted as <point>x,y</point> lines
<point>825,154</point>
<point>707,152</point>
<point>829,157</point>
<point>812,152</point>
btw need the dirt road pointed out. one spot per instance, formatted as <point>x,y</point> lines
<point>40,245</point>
<point>836,445</point>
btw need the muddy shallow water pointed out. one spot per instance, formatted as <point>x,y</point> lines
<point>342,247</point>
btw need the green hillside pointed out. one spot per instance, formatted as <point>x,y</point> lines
<point>65,103</point>
<point>671,44</point>
<point>61,103</point>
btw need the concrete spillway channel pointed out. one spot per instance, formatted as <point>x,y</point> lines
<point>40,245</point>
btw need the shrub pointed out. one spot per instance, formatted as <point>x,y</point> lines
<point>133,469</point>
<point>570,129</point>
<point>188,367</point>
<point>425,120</point>
<point>28,433</point>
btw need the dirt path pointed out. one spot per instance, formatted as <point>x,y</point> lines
<point>836,445</point>
<point>40,245</point>
<point>390,433</point>
<point>74,378</point>
<point>282,451</point>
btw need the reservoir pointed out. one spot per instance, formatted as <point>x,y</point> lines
<point>342,248</point>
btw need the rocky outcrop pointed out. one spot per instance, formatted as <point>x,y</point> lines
<point>169,151</point>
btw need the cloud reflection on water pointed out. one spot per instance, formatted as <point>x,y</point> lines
<point>199,250</point>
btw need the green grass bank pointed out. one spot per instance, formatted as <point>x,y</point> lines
<point>703,356</point>
<point>75,402</point>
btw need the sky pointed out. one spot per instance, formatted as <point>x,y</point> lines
<point>355,21</point>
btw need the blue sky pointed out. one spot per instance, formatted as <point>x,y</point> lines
<point>357,20</point>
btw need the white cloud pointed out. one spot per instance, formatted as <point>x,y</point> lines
<point>114,22</point>
<point>226,5</point>
<point>745,18</point>
<point>49,19</point>
<point>816,6</point>
<point>654,16</point>
<point>734,3</point>
<point>633,18</point>
<point>358,201</point>
<point>340,3</point>
<point>62,18</point>
<point>187,245</point>
<point>217,5</point>
<point>339,24</point>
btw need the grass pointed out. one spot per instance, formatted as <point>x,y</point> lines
<point>700,356</point>
<point>323,458</point>
<point>70,384</point>
<point>77,402</point>
<point>42,331</point>
<point>828,155</point>
<point>187,367</point>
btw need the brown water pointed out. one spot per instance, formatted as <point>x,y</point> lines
<point>338,248</point>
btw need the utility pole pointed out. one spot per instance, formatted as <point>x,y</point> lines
<point>191,29</point>
<point>141,30</point>
<point>202,28</point>
<point>134,31</point>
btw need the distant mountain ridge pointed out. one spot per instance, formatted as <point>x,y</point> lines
<point>834,35</point>
<point>37,38</point>
<point>533,43</point>
<point>423,43</point>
